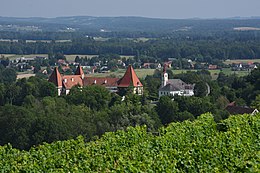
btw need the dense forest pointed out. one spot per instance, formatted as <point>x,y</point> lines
<point>203,145</point>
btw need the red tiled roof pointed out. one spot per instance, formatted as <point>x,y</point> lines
<point>213,67</point>
<point>56,77</point>
<point>69,81</point>
<point>103,81</point>
<point>79,71</point>
<point>129,79</point>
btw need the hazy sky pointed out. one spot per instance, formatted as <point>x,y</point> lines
<point>146,8</point>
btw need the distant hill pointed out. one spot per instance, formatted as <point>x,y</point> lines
<point>114,24</point>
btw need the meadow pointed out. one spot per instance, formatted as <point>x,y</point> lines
<point>142,73</point>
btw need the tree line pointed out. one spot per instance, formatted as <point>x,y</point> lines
<point>201,49</point>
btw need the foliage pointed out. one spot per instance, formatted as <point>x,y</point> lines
<point>199,146</point>
<point>200,89</point>
<point>256,102</point>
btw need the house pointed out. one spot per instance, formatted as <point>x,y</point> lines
<point>212,67</point>
<point>64,83</point>
<point>233,109</point>
<point>152,65</point>
<point>168,64</point>
<point>244,66</point>
<point>172,87</point>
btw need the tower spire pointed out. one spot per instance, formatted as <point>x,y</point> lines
<point>80,72</point>
<point>56,78</point>
<point>164,76</point>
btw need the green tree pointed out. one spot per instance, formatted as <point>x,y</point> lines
<point>167,109</point>
<point>201,89</point>
<point>9,75</point>
<point>256,102</point>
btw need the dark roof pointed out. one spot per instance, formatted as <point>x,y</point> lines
<point>169,87</point>
<point>129,79</point>
<point>239,110</point>
<point>79,71</point>
<point>176,85</point>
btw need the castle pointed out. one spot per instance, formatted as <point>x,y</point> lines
<point>64,83</point>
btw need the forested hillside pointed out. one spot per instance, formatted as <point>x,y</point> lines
<point>200,146</point>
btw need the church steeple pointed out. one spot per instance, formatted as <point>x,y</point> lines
<point>164,76</point>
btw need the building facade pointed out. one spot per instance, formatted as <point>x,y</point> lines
<point>64,83</point>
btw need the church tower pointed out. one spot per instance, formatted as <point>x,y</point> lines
<point>164,76</point>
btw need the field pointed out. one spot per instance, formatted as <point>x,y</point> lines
<point>142,73</point>
<point>14,56</point>
<point>20,76</point>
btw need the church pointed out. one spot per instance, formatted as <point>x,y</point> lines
<point>64,83</point>
<point>172,87</point>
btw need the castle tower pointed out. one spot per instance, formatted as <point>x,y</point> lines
<point>56,78</point>
<point>130,79</point>
<point>80,72</point>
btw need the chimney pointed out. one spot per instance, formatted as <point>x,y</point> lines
<point>65,80</point>
<point>105,81</point>
<point>95,81</point>
<point>72,79</point>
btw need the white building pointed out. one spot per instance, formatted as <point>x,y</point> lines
<point>172,87</point>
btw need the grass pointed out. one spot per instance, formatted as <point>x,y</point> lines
<point>14,56</point>
<point>142,73</point>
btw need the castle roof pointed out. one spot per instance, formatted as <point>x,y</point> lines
<point>129,79</point>
<point>69,81</point>
<point>103,81</point>
<point>56,77</point>
<point>79,70</point>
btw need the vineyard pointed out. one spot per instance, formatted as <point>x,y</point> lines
<point>199,146</point>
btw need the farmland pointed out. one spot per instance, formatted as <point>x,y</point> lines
<point>142,73</point>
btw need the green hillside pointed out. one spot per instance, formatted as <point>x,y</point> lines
<point>198,146</point>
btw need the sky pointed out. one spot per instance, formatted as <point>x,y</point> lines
<point>173,9</point>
